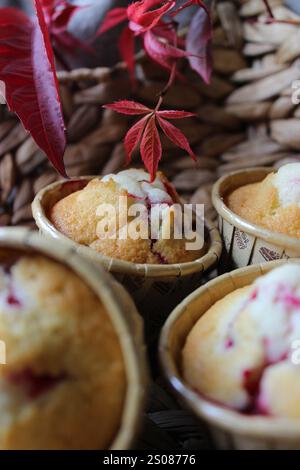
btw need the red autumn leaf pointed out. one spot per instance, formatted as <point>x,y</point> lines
<point>112,19</point>
<point>198,44</point>
<point>133,136</point>
<point>146,133</point>
<point>28,71</point>
<point>170,114</point>
<point>176,136</point>
<point>128,107</point>
<point>161,52</point>
<point>126,47</point>
<point>151,150</point>
<point>57,14</point>
<point>143,17</point>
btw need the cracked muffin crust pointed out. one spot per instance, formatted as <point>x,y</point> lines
<point>64,383</point>
<point>273,203</point>
<point>240,353</point>
<point>78,217</point>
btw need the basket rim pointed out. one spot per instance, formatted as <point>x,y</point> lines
<point>218,192</point>
<point>210,258</point>
<point>122,314</point>
<point>214,414</point>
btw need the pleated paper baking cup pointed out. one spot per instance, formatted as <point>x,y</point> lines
<point>122,313</point>
<point>156,289</point>
<point>246,243</point>
<point>229,429</point>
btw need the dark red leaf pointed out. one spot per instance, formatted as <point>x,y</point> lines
<point>28,71</point>
<point>128,107</point>
<point>198,44</point>
<point>162,53</point>
<point>112,19</point>
<point>58,14</point>
<point>133,136</point>
<point>143,17</point>
<point>151,151</point>
<point>170,114</point>
<point>62,14</point>
<point>126,47</point>
<point>176,136</point>
<point>71,43</point>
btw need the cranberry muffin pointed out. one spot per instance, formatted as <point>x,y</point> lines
<point>242,353</point>
<point>79,216</point>
<point>273,203</point>
<point>64,383</point>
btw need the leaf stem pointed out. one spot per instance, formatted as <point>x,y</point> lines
<point>269,9</point>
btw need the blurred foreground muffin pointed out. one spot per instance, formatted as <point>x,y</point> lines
<point>242,353</point>
<point>64,383</point>
<point>273,203</point>
<point>81,216</point>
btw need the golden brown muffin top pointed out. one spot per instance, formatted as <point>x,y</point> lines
<point>273,203</point>
<point>242,353</point>
<point>64,383</point>
<point>80,217</point>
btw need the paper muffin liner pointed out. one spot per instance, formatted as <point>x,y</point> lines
<point>246,243</point>
<point>156,289</point>
<point>122,313</point>
<point>229,429</point>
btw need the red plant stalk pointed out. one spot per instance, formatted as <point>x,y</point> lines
<point>146,19</point>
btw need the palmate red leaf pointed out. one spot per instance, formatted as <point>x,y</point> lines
<point>198,44</point>
<point>128,107</point>
<point>176,136</point>
<point>145,132</point>
<point>133,137</point>
<point>151,150</point>
<point>143,17</point>
<point>28,71</point>
<point>112,19</point>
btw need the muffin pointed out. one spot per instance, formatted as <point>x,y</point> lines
<point>242,354</point>
<point>80,217</point>
<point>64,383</point>
<point>273,203</point>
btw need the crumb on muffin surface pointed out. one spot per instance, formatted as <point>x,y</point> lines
<point>267,203</point>
<point>64,383</point>
<point>77,216</point>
